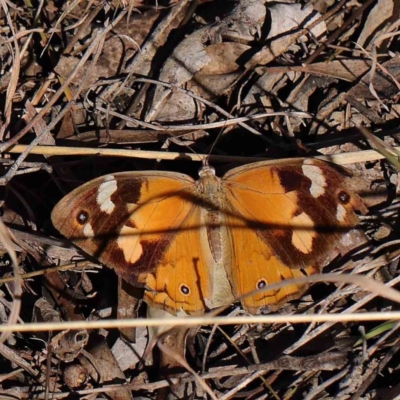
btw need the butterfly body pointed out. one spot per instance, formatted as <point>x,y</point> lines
<point>195,245</point>
<point>216,239</point>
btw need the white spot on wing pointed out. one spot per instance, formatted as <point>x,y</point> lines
<point>340,213</point>
<point>316,175</point>
<point>106,190</point>
<point>302,239</point>
<point>128,241</point>
<point>88,230</point>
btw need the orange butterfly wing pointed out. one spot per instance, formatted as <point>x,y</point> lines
<point>288,219</point>
<point>146,227</point>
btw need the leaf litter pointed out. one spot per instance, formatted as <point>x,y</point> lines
<point>180,73</point>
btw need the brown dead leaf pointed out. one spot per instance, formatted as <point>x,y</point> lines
<point>383,83</point>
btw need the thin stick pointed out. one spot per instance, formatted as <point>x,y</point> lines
<point>341,159</point>
<point>200,321</point>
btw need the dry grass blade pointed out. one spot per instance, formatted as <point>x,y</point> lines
<point>391,154</point>
<point>349,310</point>
<point>199,321</point>
<point>17,284</point>
<point>12,86</point>
<point>45,271</point>
<point>184,364</point>
<point>340,159</point>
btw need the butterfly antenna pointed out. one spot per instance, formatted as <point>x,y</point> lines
<point>205,162</point>
<point>177,140</point>
<point>213,145</point>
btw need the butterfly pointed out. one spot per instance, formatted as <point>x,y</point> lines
<point>195,245</point>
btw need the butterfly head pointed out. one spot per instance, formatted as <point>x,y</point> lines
<point>206,171</point>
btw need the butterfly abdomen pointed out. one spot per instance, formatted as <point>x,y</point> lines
<point>217,246</point>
